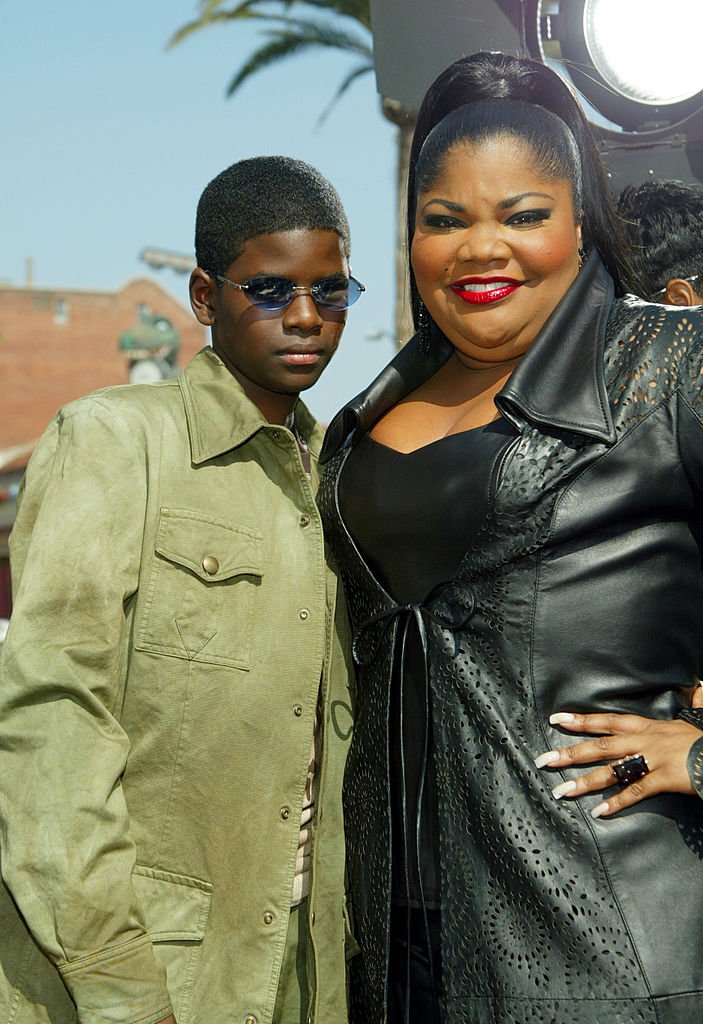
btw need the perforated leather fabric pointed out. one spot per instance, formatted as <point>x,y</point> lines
<point>584,591</point>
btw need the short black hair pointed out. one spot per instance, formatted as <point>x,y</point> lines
<point>259,196</point>
<point>664,221</point>
<point>483,76</point>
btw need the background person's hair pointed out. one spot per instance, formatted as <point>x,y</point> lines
<point>664,221</point>
<point>498,76</point>
<point>260,196</point>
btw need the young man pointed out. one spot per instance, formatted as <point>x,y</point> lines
<point>174,702</point>
<point>664,220</point>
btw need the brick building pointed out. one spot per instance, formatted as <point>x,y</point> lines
<point>57,344</point>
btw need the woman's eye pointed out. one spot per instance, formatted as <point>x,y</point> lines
<point>527,218</point>
<point>441,221</point>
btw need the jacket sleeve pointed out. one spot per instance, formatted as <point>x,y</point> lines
<point>67,856</point>
<point>690,407</point>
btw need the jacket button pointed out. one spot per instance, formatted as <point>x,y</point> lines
<point>268,917</point>
<point>297,711</point>
<point>285,813</point>
<point>303,614</point>
<point>210,565</point>
<point>304,521</point>
<point>250,1019</point>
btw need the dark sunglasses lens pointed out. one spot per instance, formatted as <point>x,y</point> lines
<point>270,292</point>
<point>337,292</point>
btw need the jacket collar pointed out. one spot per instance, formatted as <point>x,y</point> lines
<point>410,368</point>
<point>220,417</point>
<point>559,382</point>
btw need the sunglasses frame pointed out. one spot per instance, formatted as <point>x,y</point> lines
<point>297,289</point>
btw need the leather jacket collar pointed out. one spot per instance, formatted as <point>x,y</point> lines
<point>558,383</point>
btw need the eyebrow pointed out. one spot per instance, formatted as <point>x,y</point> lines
<point>504,204</point>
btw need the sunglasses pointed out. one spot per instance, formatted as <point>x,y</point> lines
<point>269,292</point>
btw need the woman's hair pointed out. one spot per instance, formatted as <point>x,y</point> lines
<point>260,196</point>
<point>494,78</point>
<point>550,140</point>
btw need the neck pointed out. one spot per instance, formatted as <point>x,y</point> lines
<point>480,366</point>
<point>274,406</point>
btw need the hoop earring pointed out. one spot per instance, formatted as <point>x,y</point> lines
<point>424,328</point>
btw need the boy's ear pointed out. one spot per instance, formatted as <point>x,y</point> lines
<point>202,290</point>
<point>680,293</point>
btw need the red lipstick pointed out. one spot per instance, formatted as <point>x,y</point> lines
<point>481,291</point>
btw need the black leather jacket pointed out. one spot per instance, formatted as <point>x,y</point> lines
<point>583,591</point>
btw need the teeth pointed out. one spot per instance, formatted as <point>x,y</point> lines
<point>485,286</point>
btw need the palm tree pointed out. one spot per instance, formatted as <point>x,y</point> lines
<point>336,26</point>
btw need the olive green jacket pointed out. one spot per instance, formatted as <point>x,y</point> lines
<point>174,615</point>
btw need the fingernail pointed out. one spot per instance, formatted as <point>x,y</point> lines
<point>561,718</point>
<point>562,789</point>
<point>600,809</point>
<point>547,758</point>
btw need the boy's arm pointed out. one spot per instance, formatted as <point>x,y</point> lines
<point>67,856</point>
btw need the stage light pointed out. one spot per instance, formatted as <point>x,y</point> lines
<point>635,66</point>
<point>643,57</point>
<point>636,61</point>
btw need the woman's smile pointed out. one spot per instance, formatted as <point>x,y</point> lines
<point>481,291</point>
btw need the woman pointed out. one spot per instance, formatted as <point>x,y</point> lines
<point>514,505</point>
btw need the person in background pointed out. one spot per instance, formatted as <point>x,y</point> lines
<point>174,693</point>
<point>514,504</point>
<point>664,223</point>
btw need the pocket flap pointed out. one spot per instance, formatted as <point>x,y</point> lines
<point>175,907</point>
<point>210,548</point>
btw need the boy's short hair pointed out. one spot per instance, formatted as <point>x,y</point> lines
<point>664,222</point>
<point>259,196</point>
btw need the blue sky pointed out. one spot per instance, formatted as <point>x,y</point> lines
<point>109,138</point>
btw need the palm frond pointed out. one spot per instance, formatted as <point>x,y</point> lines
<point>293,38</point>
<point>362,69</point>
<point>358,10</point>
<point>211,13</point>
<point>211,19</point>
<point>327,33</point>
<point>291,35</point>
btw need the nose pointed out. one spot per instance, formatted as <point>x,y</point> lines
<point>302,315</point>
<point>483,244</point>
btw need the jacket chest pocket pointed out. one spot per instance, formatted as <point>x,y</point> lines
<point>201,590</point>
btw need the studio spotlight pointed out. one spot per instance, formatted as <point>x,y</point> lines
<point>635,66</point>
<point>637,62</point>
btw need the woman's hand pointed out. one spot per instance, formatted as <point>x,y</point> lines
<point>663,744</point>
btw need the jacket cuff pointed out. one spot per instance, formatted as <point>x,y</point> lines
<point>123,985</point>
<point>694,716</point>
<point>694,764</point>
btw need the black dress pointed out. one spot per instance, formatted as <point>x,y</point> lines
<point>412,517</point>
